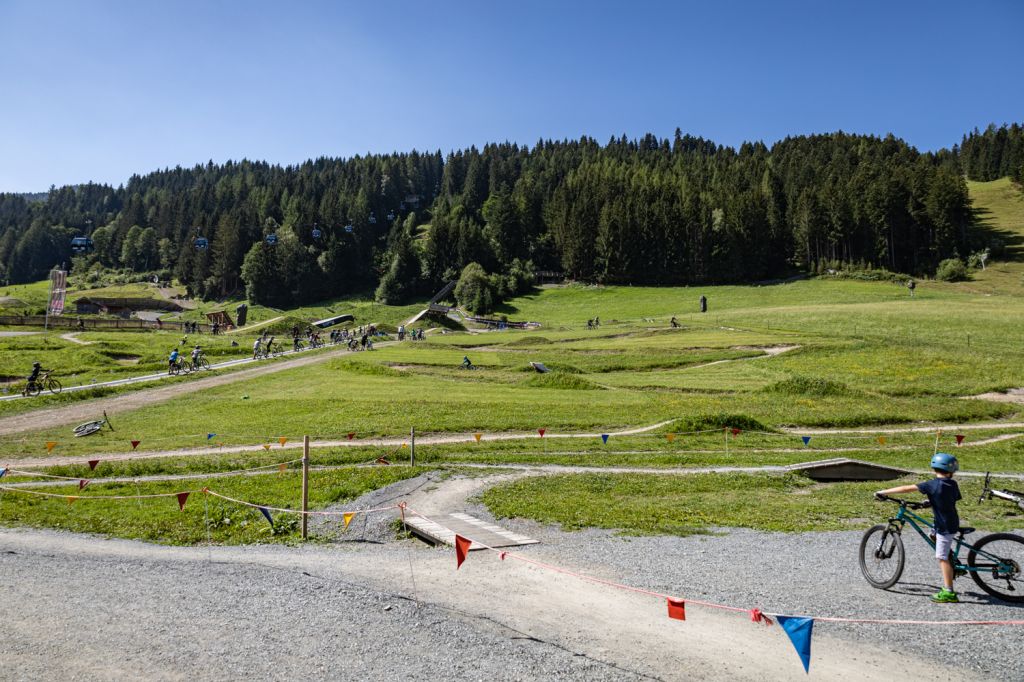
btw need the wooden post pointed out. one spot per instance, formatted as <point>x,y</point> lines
<point>412,446</point>
<point>305,485</point>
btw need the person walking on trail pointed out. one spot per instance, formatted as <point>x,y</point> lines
<point>943,494</point>
<point>911,285</point>
<point>401,332</point>
<point>703,303</point>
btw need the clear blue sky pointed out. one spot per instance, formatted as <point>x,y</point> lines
<point>101,90</point>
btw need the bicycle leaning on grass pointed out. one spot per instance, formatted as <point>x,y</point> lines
<point>995,562</point>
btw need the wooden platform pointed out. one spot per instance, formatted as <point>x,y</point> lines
<point>447,526</point>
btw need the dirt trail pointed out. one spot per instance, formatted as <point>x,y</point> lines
<point>83,411</point>
<point>73,338</point>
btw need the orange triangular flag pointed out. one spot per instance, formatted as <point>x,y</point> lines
<point>676,609</point>
<point>71,499</point>
<point>671,437</point>
<point>461,549</point>
<point>266,446</point>
<point>382,460</point>
<point>82,483</point>
<point>478,436</point>
<point>282,440</point>
<point>351,435</point>
<point>50,445</point>
<point>92,464</point>
<point>135,444</point>
<point>281,467</point>
<point>347,517</point>
<point>881,440</point>
<point>182,497</point>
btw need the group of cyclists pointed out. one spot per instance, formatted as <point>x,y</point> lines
<point>176,365</point>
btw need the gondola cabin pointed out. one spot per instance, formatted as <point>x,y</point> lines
<point>201,243</point>
<point>349,229</point>
<point>81,244</point>
<point>271,239</point>
<point>317,233</point>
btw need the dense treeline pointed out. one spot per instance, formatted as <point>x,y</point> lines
<point>994,154</point>
<point>647,211</point>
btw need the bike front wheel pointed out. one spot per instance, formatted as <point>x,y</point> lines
<point>999,563</point>
<point>54,387</point>
<point>203,364</point>
<point>882,556</point>
<point>88,428</point>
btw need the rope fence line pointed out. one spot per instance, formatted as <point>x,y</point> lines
<point>211,474</point>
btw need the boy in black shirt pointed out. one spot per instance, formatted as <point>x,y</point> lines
<point>943,493</point>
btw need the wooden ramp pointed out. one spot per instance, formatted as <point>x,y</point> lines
<point>444,530</point>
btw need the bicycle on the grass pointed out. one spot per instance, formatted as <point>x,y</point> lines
<point>988,493</point>
<point>89,428</point>
<point>995,562</point>
<point>43,383</point>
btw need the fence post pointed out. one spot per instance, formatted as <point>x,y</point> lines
<point>305,485</point>
<point>412,446</point>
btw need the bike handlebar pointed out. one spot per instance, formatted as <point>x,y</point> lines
<point>903,503</point>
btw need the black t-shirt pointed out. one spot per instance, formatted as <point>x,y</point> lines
<point>943,493</point>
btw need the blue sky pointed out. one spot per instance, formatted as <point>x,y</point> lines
<point>101,90</point>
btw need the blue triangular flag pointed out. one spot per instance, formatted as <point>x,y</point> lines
<point>805,439</point>
<point>266,512</point>
<point>604,437</point>
<point>799,631</point>
<point>210,435</point>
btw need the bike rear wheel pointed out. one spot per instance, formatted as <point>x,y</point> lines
<point>1002,578</point>
<point>882,556</point>
<point>33,389</point>
<point>88,428</point>
<point>53,386</point>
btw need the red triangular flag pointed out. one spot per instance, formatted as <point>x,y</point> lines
<point>959,438</point>
<point>93,463</point>
<point>676,609</point>
<point>182,497</point>
<point>82,483</point>
<point>351,435</point>
<point>135,444</point>
<point>735,431</point>
<point>461,549</point>
<point>541,432</point>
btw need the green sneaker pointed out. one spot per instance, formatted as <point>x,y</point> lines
<point>945,596</point>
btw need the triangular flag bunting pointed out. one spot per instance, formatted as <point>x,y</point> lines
<point>959,439</point>
<point>71,499</point>
<point>881,440</point>
<point>461,550</point>
<point>347,518</point>
<point>93,463</point>
<point>135,443</point>
<point>266,513</point>
<point>604,438</point>
<point>82,483</point>
<point>351,435</point>
<point>541,432</point>
<point>282,440</point>
<point>182,497</point>
<point>671,437</point>
<point>281,467</point>
<point>266,446</point>
<point>805,439</point>
<point>383,460</point>
<point>210,436</point>
<point>799,631</point>
<point>50,445</point>
<point>676,609</point>
<point>735,431</point>
<point>478,436</point>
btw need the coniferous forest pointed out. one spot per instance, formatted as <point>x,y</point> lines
<point>647,211</point>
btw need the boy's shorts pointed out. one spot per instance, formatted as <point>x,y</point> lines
<point>943,543</point>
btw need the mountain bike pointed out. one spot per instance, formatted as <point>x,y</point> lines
<point>995,562</point>
<point>43,383</point>
<point>199,363</point>
<point>179,366</point>
<point>89,428</point>
<point>988,493</point>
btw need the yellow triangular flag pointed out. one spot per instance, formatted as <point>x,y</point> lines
<point>266,446</point>
<point>881,440</point>
<point>71,499</point>
<point>50,445</point>
<point>282,440</point>
<point>405,445</point>
<point>671,437</point>
<point>478,436</point>
<point>281,467</point>
<point>347,516</point>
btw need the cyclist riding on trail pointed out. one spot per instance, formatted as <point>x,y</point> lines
<point>172,361</point>
<point>37,369</point>
<point>196,352</point>
<point>256,347</point>
<point>466,362</point>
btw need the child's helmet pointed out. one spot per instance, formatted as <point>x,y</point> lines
<point>945,462</point>
<point>36,364</point>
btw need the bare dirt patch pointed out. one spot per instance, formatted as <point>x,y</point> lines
<point>1014,395</point>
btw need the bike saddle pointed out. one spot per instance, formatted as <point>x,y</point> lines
<point>966,530</point>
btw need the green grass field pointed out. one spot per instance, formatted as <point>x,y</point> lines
<point>820,352</point>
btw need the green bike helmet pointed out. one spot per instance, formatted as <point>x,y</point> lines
<point>945,462</point>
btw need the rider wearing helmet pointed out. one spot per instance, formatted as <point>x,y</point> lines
<point>466,362</point>
<point>196,352</point>
<point>37,369</point>
<point>943,494</point>
<point>172,360</point>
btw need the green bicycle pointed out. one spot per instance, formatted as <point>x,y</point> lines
<point>995,562</point>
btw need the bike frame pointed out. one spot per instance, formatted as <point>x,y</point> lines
<point>905,516</point>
